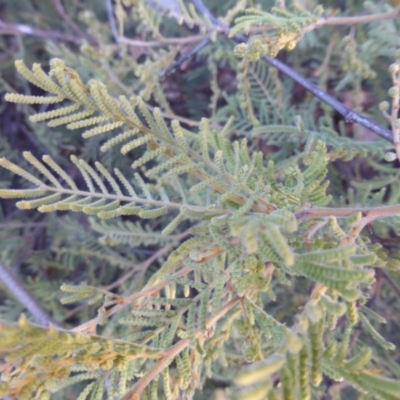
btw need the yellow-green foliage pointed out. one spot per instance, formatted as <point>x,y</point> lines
<point>205,261</point>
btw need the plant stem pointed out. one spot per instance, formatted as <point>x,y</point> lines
<point>371,212</point>
<point>111,21</point>
<point>14,286</point>
<point>349,115</point>
<point>145,264</point>
<point>135,392</point>
<point>357,19</point>
<point>21,30</point>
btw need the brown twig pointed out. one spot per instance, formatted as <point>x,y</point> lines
<point>370,213</point>
<point>355,20</point>
<point>145,264</point>
<point>135,392</point>
<point>90,326</point>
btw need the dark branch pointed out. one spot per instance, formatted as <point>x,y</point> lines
<point>15,287</point>
<point>111,21</point>
<point>349,115</point>
<point>185,57</point>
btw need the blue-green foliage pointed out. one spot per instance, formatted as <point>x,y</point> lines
<point>211,252</point>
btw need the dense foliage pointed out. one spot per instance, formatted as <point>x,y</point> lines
<point>211,230</point>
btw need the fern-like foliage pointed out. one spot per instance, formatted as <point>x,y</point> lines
<point>288,28</point>
<point>246,242</point>
<point>241,230</point>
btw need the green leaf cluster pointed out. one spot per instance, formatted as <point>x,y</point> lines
<point>193,242</point>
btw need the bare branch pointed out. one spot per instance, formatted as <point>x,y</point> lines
<point>21,30</point>
<point>111,21</point>
<point>15,287</point>
<point>135,392</point>
<point>349,115</point>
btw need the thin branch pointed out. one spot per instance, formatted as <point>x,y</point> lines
<point>349,115</point>
<point>111,21</point>
<point>143,266</point>
<point>129,199</point>
<point>90,326</point>
<point>164,41</point>
<point>66,18</point>
<point>135,392</point>
<point>371,212</point>
<point>185,57</point>
<point>21,30</point>
<point>356,19</point>
<point>16,288</point>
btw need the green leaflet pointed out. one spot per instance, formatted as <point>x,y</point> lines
<point>206,184</point>
<point>153,213</point>
<point>359,360</point>
<point>54,113</point>
<point>40,167</point>
<point>278,243</point>
<point>245,208</point>
<point>256,392</point>
<point>135,143</point>
<point>185,281</point>
<point>183,169</point>
<point>16,194</point>
<point>118,139</point>
<point>205,134</point>
<point>78,293</point>
<point>327,255</point>
<point>101,208</point>
<point>380,383</point>
<point>282,218</point>
<point>318,271</point>
<point>316,330</point>
<point>179,135</point>
<point>52,164</point>
<point>332,306</point>
<point>190,325</point>
<point>203,310</point>
<point>29,204</point>
<point>166,165</point>
<point>363,259</point>
<point>260,370</point>
<point>372,331</point>
<point>138,321</point>
<point>173,224</point>
<point>101,129</point>
<point>83,123</point>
